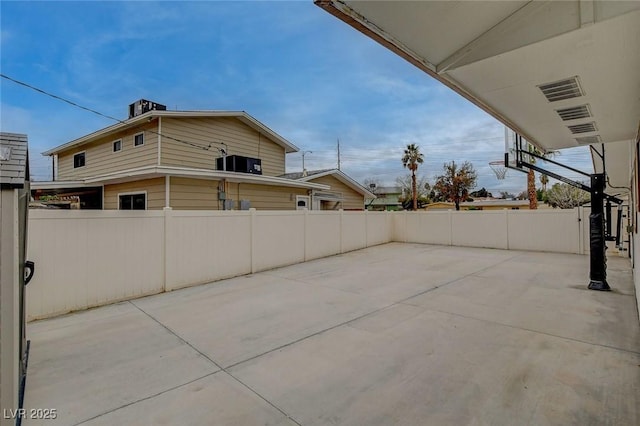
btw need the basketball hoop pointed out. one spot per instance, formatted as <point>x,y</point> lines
<point>499,169</point>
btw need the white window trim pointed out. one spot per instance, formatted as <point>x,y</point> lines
<point>134,139</point>
<point>114,143</point>
<point>146,198</point>
<point>74,160</point>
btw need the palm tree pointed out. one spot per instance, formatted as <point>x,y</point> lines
<point>531,190</point>
<point>544,180</point>
<point>531,177</point>
<point>410,159</point>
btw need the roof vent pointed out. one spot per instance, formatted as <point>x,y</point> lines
<point>583,128</point>
<point>563,89</point>
<point>574,113</point>
<point>588,140</point>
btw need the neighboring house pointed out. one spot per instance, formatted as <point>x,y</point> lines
<point>440,205</point>
<point>388,198</point>
<point>344,193</point>
<point>494,204</point>
<point>213,160</point>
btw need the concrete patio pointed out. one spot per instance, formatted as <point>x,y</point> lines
<point>404,334</point>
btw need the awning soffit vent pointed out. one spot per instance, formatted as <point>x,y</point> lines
<point>561,90</point>
<point>574,113</point>
<point>583,128</point>
<point>589,140</point>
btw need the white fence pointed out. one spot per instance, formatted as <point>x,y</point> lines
<point>91,258</point>
<point>561,231</point>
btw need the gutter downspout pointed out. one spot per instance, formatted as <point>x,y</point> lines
<point>160,141</point>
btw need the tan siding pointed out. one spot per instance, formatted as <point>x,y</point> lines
<point>240,139</point>
<point>100,158</point>
<point>154,187</point>
<point>352,200</point>
<point>265,197</point>
<point>194,194</point>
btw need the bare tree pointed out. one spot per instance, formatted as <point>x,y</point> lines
<point>566,196</point>
<point>423,190</point>
<point>456,182</point>
<point>372,184</point>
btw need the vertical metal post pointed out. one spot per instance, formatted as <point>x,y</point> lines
<point>598,257</point>
<point>608,220</point>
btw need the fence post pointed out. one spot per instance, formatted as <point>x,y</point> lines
<point>506,223</point>
<point>252,233</point>
<point>341,231</point>
<point>388,226</point>
<point>405,231</point>
<point>304,233</point>
<point>450,215</point>
<point>366,228</point>
<point>167,213</point>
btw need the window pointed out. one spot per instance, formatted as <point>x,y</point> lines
<point>138,139</point>
<point>136,201</point>
<point>117,145</point>
<point>79,160</point>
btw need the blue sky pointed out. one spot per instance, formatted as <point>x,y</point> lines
<point>297,69</point>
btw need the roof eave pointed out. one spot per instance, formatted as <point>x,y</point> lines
<point>154,171</point>
<point>352,18</point>
<point>150,115</point>
<point>344,179</point>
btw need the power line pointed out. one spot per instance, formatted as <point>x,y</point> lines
<point>44,92</point>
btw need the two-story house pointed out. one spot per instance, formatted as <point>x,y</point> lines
<point>213,160</point>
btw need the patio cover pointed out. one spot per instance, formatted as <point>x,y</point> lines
<point>503,56</point>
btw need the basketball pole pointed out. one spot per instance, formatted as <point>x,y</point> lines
<point>597,246</point>
<point>597,237</point>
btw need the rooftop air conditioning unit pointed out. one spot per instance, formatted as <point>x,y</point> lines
<point>140,107</point>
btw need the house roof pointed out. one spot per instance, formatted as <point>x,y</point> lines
<point>14,159</point>
<point>562,74</point>
<point>338,174</point>
<point>381,190</point>
<point>149,172</point>
<point>499,202</point>
<point>150,115</point>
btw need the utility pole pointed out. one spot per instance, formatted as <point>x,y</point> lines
<point>338,153</point>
